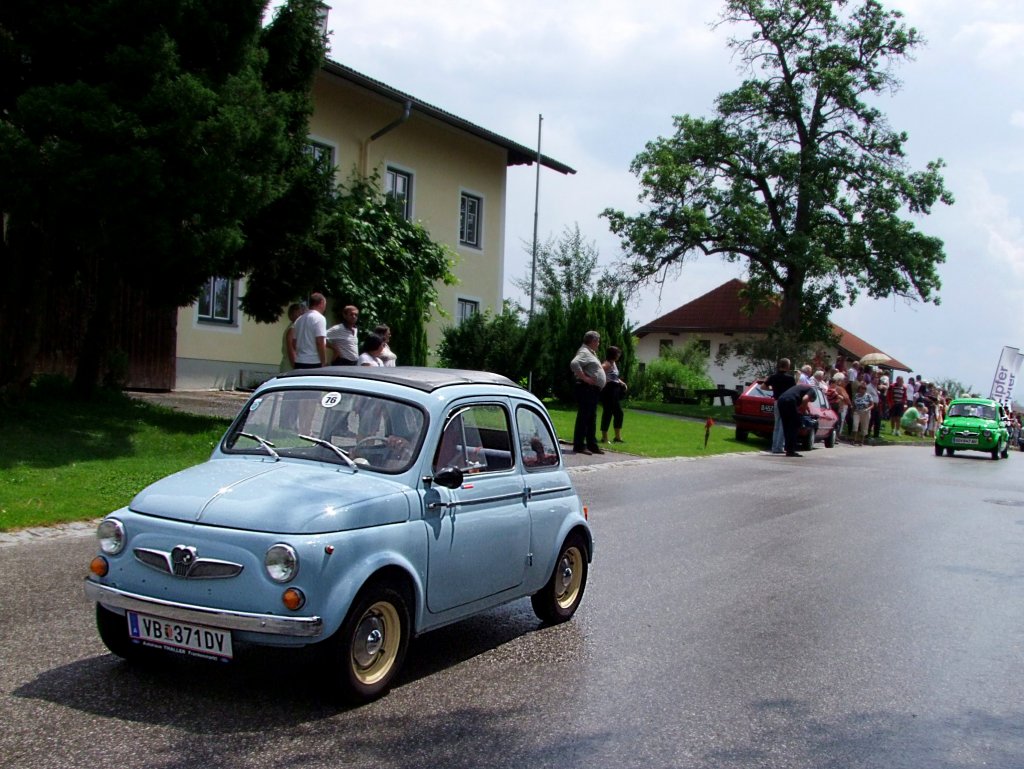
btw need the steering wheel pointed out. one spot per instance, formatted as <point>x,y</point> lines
<point>396,447</point>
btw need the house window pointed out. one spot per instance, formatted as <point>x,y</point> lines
<point>398,187</point>
<point>470,211</point>
<point>664,347</point>
<point>704,345</point>
<point>217,301</point>
<point>467,309</point>
<point>322,154</point>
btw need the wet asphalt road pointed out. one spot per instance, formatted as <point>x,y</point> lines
<point>859,607</point>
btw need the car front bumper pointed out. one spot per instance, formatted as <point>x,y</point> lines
<point>272,624</point>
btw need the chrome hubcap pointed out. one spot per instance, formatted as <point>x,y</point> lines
<point>369,640</point>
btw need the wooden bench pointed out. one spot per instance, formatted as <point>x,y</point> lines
<point>677,394</point>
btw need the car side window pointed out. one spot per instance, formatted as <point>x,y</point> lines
<point>476,439</point>
<point>536,442</point>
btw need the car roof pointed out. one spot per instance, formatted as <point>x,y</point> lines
<point>418,377</point>
<point>975,401</point>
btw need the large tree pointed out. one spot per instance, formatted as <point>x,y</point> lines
<point>140,142</point>
<point>360,249</point>
<point>798,175</point>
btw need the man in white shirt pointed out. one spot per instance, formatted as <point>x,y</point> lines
<point>343,338</point>
<point>311,334</point>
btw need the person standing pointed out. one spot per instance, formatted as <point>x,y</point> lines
<point>387,357</point>
<point>295,311</point>
<point>778,383</point>
<point>343,338</point>
<point>897,399</point>
<point>590,380</point>
<point>611,396</point>
<point>311,334</point>
<point>862,404</point>
<point>372,347</point>
<point>789,405</point>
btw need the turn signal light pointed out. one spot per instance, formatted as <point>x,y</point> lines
<point>293,599</point>
<point>586,513</point>
<point>99,566</point>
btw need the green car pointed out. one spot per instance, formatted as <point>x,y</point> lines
<point>974,424</point>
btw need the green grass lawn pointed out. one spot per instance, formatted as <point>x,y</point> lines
<point>66,460</point>
<point>649,434</point>
<point>63,460</point>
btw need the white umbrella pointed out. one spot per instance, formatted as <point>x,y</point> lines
<point>875,359</point>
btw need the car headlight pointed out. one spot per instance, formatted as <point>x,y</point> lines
<point>111,536</point>
<point>987,434</point>
<point>281,563</point>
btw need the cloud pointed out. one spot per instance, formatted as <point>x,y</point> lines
<point>999,44</point>
<point>1003,231</point>
<point>1017,118</point>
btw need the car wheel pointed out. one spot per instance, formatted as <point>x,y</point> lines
<point>113,630</point>
<point>830,439</point>
<point>995,453</point>
<point>368,650</point>
<point>938,450</point>
<point>741,435</point>
<point>949,451</point>
<point>807,442</point>
<point>558,600</point>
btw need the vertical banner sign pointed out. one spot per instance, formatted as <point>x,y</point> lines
<point>1006,374</point>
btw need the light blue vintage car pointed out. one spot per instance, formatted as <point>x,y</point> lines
<point>349,508</point>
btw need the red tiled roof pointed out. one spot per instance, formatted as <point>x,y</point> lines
<point>721,310</point>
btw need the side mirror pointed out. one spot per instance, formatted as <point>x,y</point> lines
<point>449,477</point>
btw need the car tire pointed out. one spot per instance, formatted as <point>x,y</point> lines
<point>558,600</point>
<point>938,450</point>
<point>949,451</point>
<point>807,442</point>
<point>368,650</point>
<point>995,453</point>
<point>741,435</point>
<point>830,439</point>
<point>113,630</point>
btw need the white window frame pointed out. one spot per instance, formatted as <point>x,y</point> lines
<point>392,170</point>
<point>471,236</point>
<point>218,316</point>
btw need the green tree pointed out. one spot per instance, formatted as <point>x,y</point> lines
<point>759,355</point>
<point>797,175</point>
<point>486,342</point>
<point>359,249</point>
<point>140,141</point>
<point>565,269</point>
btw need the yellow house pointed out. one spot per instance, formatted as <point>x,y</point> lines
<point>451,176</point>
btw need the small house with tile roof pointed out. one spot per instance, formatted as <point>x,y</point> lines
<point>718,318</point>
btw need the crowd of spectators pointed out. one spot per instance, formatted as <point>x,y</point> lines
<point>866,398</point>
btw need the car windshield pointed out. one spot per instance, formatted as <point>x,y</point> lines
<point>972,410</point>
<point>364,430</point>
<point>760,391</point>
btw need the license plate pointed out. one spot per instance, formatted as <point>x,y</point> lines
<point>768,408</point>
<point>968,441</point>
<point>180,637</point>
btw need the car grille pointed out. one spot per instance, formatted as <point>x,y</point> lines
<point>183,562</point>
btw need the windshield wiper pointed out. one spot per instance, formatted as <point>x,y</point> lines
<point>267,445</point>
<point>339,451</point>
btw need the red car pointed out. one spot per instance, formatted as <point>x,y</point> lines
<point>754,412</point>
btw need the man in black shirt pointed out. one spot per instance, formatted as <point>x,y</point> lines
<point>779,382</point>
<point>787,406</point>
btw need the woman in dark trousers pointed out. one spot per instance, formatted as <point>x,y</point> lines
<point>611,396</point>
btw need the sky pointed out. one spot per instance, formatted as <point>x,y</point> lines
<point>609,76</point>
